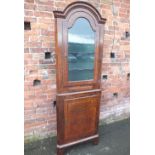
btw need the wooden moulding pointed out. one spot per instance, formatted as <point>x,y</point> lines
<point>80,4</point>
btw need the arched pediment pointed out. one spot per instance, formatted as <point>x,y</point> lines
<point>80,5</point>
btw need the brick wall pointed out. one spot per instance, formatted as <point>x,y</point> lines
<point>40,77</point>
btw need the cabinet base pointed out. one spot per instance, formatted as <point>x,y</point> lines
<point>96,141</point>
<point>60,151</point>
<point>61,148</point>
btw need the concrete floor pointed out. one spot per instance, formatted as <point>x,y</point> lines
<point>114,140</point>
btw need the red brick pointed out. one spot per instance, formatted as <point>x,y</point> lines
<point>28,6</point>
<point>123,15</point>
<point>29,1</point>
<point>45,2</point>
<point>45,8</point>
<point>29,13</point>
<point>30,19</point>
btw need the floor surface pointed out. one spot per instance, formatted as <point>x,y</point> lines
<point>114,140</point>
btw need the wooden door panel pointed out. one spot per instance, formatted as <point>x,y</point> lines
<point>81,116</point>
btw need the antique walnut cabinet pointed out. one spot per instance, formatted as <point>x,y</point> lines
<point>79,48</point>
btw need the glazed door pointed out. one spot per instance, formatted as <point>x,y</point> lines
<point>80,53</point>
<point>80,63</point>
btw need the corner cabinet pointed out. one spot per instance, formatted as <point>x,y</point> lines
<point>79,48</point>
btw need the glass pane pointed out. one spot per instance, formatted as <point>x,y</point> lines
<point>81,47</point>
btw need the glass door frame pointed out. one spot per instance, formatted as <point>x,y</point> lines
<point>64,20</point>
<point>68,23</point>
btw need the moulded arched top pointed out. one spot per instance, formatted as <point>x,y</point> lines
<point>77,5</point>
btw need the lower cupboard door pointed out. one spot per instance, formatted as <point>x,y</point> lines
<point>81,117</point>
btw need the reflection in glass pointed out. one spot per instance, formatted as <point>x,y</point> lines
<point>81,47</point>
